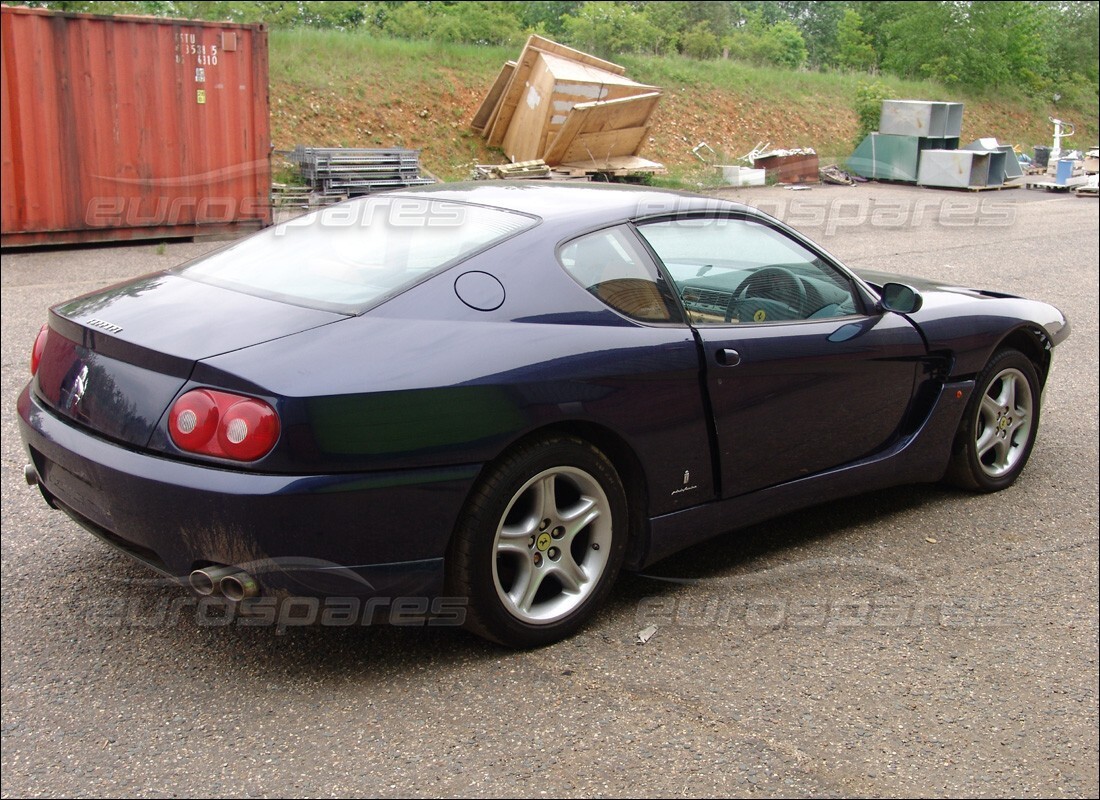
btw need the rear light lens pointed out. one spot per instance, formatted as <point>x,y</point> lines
<point>39,348</point>
<point>223,425</point>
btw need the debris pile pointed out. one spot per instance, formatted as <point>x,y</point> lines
<point>577,113</point>
<point>918,142</point>
<point>520,170</point>
<point>1090,167</point>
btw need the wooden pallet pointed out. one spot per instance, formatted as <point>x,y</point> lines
<point>520,170</point>
<point>989,188</point>
<point>615,167</point>
<point>1051,186</point>
<point>283,195</point>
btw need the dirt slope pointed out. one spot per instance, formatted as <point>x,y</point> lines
<point>407,100</point>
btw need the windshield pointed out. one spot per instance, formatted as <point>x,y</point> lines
<point>352,256</point>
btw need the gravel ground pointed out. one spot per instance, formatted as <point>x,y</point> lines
<point>912,642</point>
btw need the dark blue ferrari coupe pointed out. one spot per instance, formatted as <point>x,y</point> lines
<point>501,394</point>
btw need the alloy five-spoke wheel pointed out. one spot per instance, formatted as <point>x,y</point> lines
<point>1003,427</point>
<point>999,425</point>
<point>552,544</point>
<point>541,542</point>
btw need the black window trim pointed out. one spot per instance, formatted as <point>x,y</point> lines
<point>646,252</point>
<point>864,294</point>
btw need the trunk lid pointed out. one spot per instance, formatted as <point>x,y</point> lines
<point>115,359</point>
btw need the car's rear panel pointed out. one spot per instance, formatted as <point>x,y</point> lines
<point>98,399</point>
<point>309,533</point>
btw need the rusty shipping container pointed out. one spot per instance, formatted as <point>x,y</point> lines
<point>131,128</point>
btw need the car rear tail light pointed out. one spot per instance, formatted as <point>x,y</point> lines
<point>223,425</point>
<point>39,348</point>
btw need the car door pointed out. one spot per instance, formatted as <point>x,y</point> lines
<point>802,374</point>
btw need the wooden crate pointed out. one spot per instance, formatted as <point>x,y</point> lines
<point>565,107</point>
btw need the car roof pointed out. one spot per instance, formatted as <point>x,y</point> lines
<point>560,201</point>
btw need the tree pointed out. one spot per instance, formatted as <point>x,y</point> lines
<point>407,21</point>
<point>476,23</point>
<point>542,16</point>
<point>869,97</point>
<point>779,44</point>
<point>980,45</point>
<point>670,18</point>
<point>700,43</point>
<point>606,28</point>
<point>854,50</point>
<point>787,44</point>
<point>1070,33</point>
<point>817,20</point>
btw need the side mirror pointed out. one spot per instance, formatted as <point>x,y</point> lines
<point>901,299</point>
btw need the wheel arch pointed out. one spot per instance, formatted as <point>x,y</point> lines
<point>622,457</point>
<point>1034,343</point>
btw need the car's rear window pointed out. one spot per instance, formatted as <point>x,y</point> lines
<point>352,256</point>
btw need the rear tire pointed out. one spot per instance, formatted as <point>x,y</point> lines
<point>998,429</point>
<point>540,543</point>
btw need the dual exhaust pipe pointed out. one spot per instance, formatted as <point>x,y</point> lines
<point>231,582</point>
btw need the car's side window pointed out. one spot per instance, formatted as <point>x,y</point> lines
<point>738,271</point>
<point>614,267</point>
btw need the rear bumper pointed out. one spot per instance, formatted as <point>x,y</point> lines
<point>380,534</point>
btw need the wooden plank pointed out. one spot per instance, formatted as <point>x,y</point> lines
<point>627,113</point>
<point>599,146</point>
<point>511,96</point>
<point>574,125</point>
<point>523,140</point>
<point>568,71</point>
<point>616,165</point>
<point>492,99</point>
<point>574,55</point>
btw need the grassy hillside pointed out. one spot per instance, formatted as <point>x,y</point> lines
<point>345,89</point>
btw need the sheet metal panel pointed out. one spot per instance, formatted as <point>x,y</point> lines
<point>1012,167</point>
<point>961,169</point>
<point>890,157</point>
<point>921,118</point>
<point>131,127</point>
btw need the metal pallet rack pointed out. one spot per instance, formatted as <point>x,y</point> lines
<point>350,171</point>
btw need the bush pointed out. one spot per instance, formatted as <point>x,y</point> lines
<point>700,43</point>
<point>869,97</point>
<point>408,21</point>
<point>605,28</point>
<point>854,49</point>
<point>777,45</point>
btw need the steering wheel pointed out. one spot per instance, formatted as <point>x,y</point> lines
<point>772,283</point>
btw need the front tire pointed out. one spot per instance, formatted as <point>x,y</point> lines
<point>999,425</point>
<point>540,543</point>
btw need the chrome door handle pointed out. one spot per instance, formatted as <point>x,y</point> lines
<point>727,357</point>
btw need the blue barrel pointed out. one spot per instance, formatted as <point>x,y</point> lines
<point>1064,171</point>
